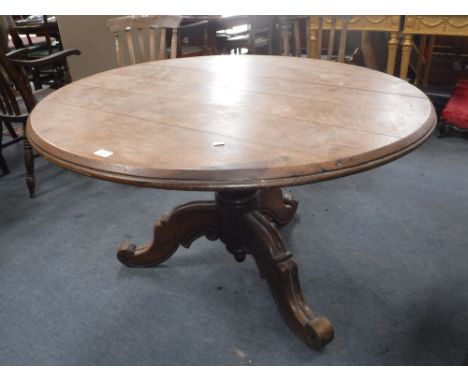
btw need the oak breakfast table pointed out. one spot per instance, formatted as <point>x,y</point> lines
<point>240,126</point>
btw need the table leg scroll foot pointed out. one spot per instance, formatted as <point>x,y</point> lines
<point>276,264</point>
<point>182,226</point>
<point>277,206</point>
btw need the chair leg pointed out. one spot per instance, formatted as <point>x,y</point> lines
<point>3,165</point>
<point>36,79</point>
<point>29,164</point>
<point>441,130</point>
<point>10,129</point>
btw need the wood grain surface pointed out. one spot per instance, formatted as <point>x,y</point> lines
<point>282,121</point>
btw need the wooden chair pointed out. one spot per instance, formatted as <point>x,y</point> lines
<point>48,75</point>
<point>144,38</point>
<point>290,29</point>
<point>50,70</point>
<point>45,26</point>
<point>17,100</point>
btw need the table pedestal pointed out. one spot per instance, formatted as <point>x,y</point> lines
<point>243,221</point>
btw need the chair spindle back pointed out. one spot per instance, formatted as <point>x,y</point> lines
<point>144,38</point>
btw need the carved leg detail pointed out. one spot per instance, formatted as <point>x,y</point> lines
<point>185,224</point>
<point>278,207</point>
<point>240,220</point>
<point>275,263</point>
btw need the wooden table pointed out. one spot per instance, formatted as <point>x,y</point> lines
<point>240,126</point>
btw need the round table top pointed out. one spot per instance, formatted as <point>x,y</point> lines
<point>230,122</point>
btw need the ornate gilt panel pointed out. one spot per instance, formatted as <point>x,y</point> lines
<point>362,23</point>
<point>437,25</point>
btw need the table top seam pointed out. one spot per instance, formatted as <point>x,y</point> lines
<point>193,129</point>
<point>422,96</point>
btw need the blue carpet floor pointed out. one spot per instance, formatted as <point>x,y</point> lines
<point>382,254</point>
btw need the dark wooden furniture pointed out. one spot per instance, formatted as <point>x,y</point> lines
<point>49,71</point>
<point>17,101</point>
<point>256,39</point>
<point>240,126</point>
<point>193,37</point>
<point>46,26</point>
<point>197,37</point>
<point>12,83</point>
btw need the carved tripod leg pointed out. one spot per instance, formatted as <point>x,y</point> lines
<point>277,207</point>
<point>275,263</point>
<point>185,224</point>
